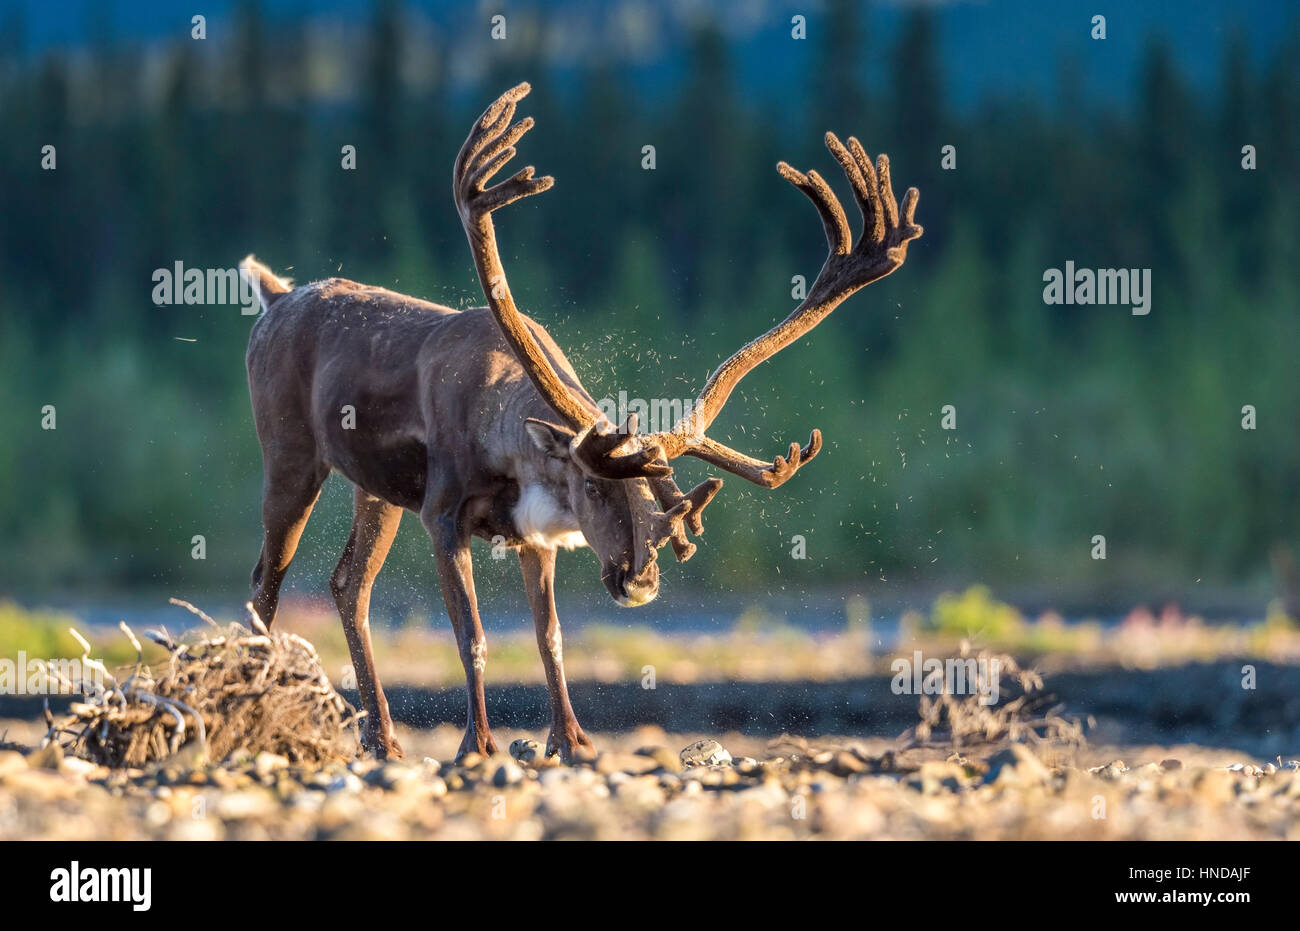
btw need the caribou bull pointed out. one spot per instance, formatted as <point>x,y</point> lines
<point>476,421</point>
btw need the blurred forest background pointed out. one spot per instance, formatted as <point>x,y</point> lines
<point>1071,421</point>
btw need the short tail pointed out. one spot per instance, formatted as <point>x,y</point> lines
<point>267,285</point>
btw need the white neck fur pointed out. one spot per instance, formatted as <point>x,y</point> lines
<point>543,521</point>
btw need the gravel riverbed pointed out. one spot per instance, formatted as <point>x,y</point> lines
<point>650,784</point>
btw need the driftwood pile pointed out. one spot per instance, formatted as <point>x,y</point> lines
<point>231,693</point>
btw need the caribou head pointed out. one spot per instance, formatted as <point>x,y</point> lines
<point>609,498</point>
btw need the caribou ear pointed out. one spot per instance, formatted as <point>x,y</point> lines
<point>550,439</point>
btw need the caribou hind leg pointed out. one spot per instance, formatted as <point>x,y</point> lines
<point>374,525</point>
<point>288,495</point>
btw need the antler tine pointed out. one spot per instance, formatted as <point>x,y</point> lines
<point>489,146</point>
<point>700,496</point>
<point>670,497</point>
<point>495,118</point>
<point>886,191</point>
<point>868,170</point>
<point>666,525</point>
<point>816,189</point>
<point>862,177</point>
<point>908,220</point>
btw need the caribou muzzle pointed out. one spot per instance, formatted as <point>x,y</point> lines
<point>633,589</point>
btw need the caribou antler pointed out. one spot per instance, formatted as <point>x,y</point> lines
<point>598,448</point>
<point>881,248</point>
<point>670,497</point>
<point>490,145</point>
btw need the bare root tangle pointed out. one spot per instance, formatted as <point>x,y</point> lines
<point>1024,712</point>
<point>230,692</point>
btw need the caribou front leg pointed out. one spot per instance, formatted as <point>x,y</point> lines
<point>456,575</point>
<point>566,738</point>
